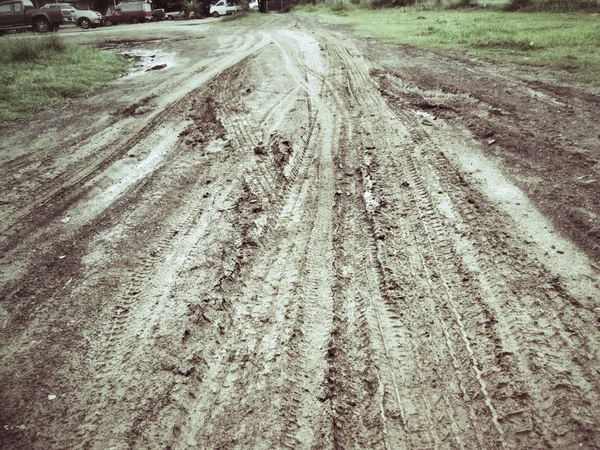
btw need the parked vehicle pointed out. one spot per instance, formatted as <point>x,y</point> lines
<point>224,7</point>
<point>253,6</point>
<point>158,14</point>
<point>67,10</point>
<point>21,14</point>
<point>130,12</point>
<point>172,15</point>
<point>86,18</point>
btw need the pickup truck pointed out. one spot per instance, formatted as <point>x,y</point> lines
<point>225,7</point>
<point>19,14</point>
<point>158,14</point>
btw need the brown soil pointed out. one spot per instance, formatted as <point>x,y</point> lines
<point>290,237</point>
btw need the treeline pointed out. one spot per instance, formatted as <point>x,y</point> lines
<point>509,5</point>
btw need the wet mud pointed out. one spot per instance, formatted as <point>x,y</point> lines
<point>288,239</point>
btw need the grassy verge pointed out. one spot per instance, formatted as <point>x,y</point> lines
<point>568,44</point>
<point>37,72</point>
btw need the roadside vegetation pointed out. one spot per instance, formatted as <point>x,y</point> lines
<point>244,16</point>
<point>566,43</point>
<point>37,72</point>
<point>237,16</point>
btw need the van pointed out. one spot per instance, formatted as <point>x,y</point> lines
<point>130,12</point>
<point>225,7</point>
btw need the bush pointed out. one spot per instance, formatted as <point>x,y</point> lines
<point>392,3</point>
<point>31,48</point>
<point>338,7</point>
<point>462,4</point>
<point>553,5</point>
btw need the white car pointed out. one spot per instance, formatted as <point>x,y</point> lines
<point>253,6</point>
<point>224,7</point>
<point>172,15</point>
<point>86,18</point>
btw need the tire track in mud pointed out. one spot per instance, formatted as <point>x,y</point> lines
<point>360,290</point>
<point>243,136</point>
<point>69,188</point>
<point>539,352</point>
<point>188,226</point>
<point>292,196</point>
<point>341,287</point>
<point>136,308</point>
<point>437,227</point>
<point>306,252</point>
<point>305,365</point>
<point>434,232</point>
<point>419,420</point>
<point>357,367</point>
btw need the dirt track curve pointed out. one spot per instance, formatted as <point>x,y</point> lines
<point>268,245</point>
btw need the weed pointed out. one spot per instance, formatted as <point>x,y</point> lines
<point>339,7</point>
<point>461,4</point>
<point>37,72</point>
<point>31,48</point>
<point>553,5</point>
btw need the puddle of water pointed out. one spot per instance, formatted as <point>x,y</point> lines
<point>146,60</point>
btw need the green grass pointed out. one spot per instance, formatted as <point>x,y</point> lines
<point>38,72</point>
<point>567,44</point>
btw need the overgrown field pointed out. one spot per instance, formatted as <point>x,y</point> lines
<point>566,43</point>
<point>40,71</point>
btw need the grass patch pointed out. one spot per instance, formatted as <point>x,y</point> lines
<point>568,44</point>
<point>38,72</point>
<point>24,49</point>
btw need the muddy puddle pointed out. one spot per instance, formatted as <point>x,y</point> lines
<point>145,61</point>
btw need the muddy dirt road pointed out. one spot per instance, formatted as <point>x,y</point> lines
<point>290,237</point>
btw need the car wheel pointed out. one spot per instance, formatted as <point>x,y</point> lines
<point>216,15</point>
<point>41,25</point>
<point>154,19</point>
<point>134,20</point>
<point>85,23</point>
<point>170,17</point>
